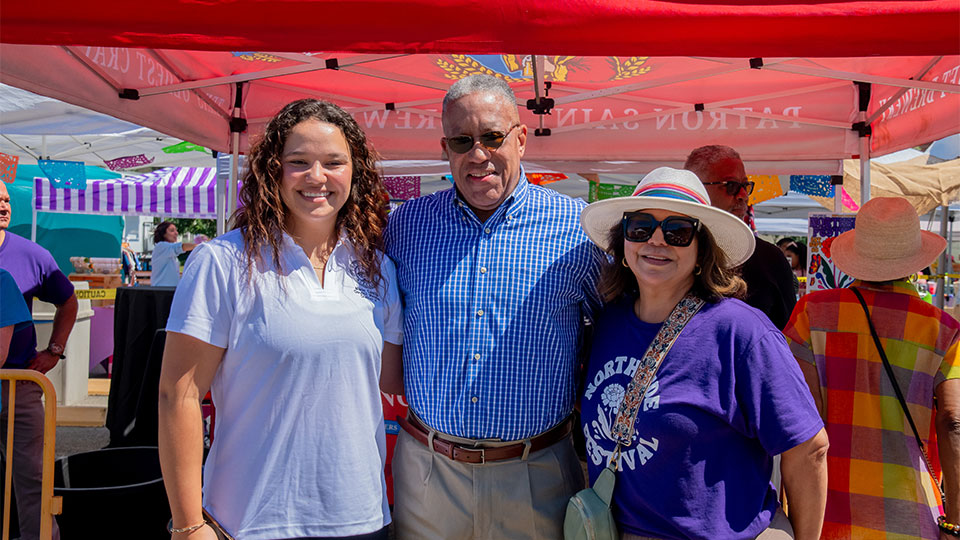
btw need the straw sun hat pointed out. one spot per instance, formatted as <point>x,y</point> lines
<point>886,243</point>
<point>677,191</point>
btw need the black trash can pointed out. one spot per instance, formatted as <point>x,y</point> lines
<point>112,493</point>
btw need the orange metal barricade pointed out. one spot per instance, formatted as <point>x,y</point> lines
<point>50,505</point>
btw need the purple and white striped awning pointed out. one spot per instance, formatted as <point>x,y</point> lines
<point>188,192</point>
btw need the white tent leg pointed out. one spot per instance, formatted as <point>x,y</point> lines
<point>221,222</point>
<point>234,167</point>
<point>942,267</point>
<point>33,225</point>
<point>864,168</point>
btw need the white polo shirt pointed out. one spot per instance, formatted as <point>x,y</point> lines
<point>299,445</point>
<point>165,267</point>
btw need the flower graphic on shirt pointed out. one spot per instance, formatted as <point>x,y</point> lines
<point>613,396</point>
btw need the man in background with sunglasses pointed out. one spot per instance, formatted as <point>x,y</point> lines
<point>497,276</point>
<point>767,273</point>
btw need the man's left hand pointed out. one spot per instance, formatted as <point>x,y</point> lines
<point>44,361</point>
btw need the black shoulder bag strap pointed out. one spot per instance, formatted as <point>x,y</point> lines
<point>896,389</point>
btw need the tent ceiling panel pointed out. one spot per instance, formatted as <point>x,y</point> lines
<point>619,27</point>
<point>609,108</point>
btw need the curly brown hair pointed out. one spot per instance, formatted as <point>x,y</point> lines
<point>715,281</point>
<point>363,217</point>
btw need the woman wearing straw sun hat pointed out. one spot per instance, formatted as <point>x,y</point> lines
<point>693,431</point>
<point>848,342</point>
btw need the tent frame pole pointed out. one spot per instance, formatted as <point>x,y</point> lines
<point>864,89</point>
<point>942,267</point>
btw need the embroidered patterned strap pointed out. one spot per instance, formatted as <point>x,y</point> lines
<point>622,430</point>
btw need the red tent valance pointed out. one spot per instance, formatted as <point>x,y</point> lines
<point>733,28</point>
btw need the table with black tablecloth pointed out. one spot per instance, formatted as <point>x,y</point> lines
<point>139,313</point>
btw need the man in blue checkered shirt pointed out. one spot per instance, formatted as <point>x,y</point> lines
<point>497,277</point>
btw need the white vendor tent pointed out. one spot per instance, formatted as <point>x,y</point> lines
<point>36,127</point>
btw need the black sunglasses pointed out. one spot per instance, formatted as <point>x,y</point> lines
<point>733,187</point>
<point>490,140</point>
<point>677,230</point>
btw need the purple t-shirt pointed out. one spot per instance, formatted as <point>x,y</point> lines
<point>38,276</point>
<point>728,396</point>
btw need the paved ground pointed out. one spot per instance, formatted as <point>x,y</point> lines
<point>73,440</point>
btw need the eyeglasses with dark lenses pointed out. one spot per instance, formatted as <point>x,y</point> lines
<point>733,187</point>
<point>490,140</point>
<point>678,231</point>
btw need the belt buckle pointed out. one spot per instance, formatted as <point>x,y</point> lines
<point>483,455</point>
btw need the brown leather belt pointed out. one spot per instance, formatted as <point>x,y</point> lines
<point>469,454</point>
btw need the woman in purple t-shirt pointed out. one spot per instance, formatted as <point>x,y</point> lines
<point>727,397</point>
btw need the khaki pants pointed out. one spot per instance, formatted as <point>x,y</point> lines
<point>26,456</point>
<point>779,529</point>
<point>436,498</point>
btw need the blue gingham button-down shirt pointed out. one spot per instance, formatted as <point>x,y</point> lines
<point>493,310</point>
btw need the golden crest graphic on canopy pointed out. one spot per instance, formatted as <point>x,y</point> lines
<point>517,68</point>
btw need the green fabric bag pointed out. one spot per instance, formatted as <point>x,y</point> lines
<point>588,512</point>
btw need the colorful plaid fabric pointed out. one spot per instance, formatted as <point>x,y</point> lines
<point>878,483</point>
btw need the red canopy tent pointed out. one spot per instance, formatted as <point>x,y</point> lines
<point>732,28</point>
<point>795,87</point>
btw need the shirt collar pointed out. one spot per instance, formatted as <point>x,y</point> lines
<point>511,205</point>
<point>902,287</point>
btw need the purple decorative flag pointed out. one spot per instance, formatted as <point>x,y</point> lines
<point>128,162</point>
<point>8,167</point>
<point>64,174</point>
<point>402,188</point>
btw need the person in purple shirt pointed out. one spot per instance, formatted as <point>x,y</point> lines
<point>37,276</point>
<point>726,398</point>
<point>14,315</point>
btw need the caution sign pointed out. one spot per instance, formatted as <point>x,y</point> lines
<point>96,294</point>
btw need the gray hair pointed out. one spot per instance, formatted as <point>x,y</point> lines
<point>479,83</point>
<point>700,160</point>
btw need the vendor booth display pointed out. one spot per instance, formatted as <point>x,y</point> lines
<point>171,192</point>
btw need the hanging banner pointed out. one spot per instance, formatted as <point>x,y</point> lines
<point>8,167</point>
<point>848,202</point>
<point>822,274</point>
<point>180,148</point>
<point>402,188</point>
<point>600,191</point>
<point>64,174</point>
<point>765,187</point>
<point>812,184</point>
<point>128,162</point>
<point>545,178</point>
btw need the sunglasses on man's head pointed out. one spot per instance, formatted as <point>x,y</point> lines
<point>677,230</point>
<point>733,187</point>
<point>490,140</point>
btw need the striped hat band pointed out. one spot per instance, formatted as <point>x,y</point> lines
<point>669,191</point>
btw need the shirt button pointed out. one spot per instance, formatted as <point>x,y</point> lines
<point>479,313</point>
<point>509,218</point>
<point>483,269</point>
<point>474,399</point>
<point>487,230</point>
<point>476,356</point>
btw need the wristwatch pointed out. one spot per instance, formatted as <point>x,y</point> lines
<point>56,349</point>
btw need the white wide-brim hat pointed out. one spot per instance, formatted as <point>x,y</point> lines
<point>678,191</point>
<point>886,243</point>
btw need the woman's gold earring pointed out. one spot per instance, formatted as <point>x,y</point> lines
<point>697,269</point>
<point>623,261</point>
